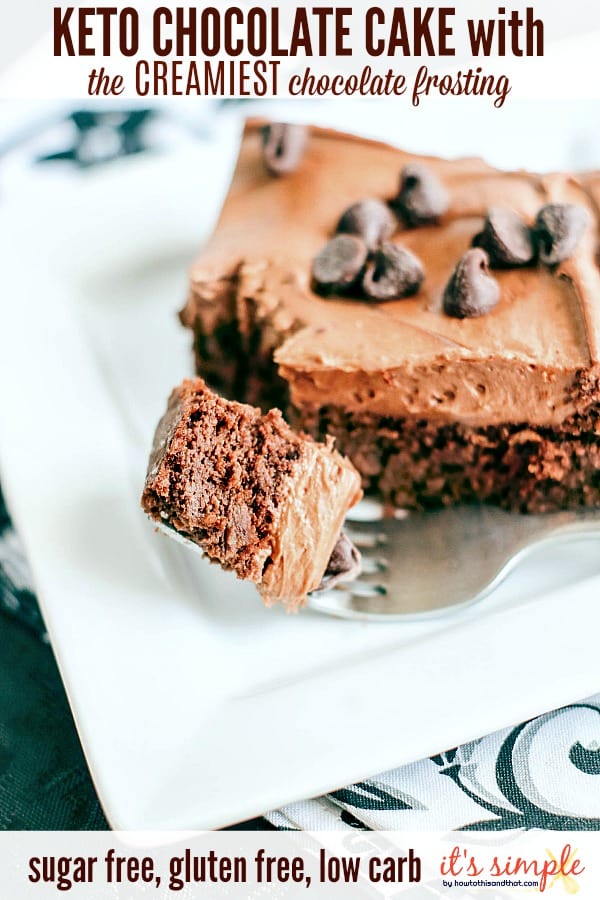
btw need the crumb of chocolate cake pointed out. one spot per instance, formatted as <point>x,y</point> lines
<point>257,497</point>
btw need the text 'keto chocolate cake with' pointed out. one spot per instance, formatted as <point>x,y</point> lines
<point>440,319</point>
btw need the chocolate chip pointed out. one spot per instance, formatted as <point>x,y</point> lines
<point>471,290</point>
<point>370,219</point>
<point>421,198</point>
<point>558,229</point>
<point>283,147</point>
<point>338,265</point>
<point>394,272</point>
<point>506,238</point>
<point>344,565</point>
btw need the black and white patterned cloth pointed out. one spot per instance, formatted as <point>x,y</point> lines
<point>544,773</point>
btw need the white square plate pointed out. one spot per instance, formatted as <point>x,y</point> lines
<point>198,708</point>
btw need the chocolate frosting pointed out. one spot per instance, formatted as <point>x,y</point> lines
<point>522,362</point>
<point>309,524</point>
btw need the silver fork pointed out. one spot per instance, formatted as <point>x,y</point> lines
<point>417,565</point>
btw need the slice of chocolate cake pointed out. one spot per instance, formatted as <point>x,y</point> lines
<point>257,497</point>
<point>441,319</point>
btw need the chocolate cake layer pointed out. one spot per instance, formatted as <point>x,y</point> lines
<point>416,464</point>
<point>404,368</point>
<point>258,498</point>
